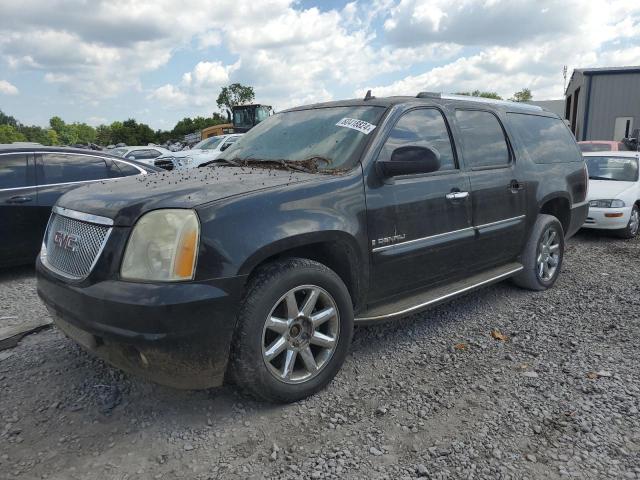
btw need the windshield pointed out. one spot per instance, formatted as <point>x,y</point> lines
<point>612,168</point>
<point>594,147</point>
<point>308,135</point>
<point>208,143</point>
<point>242,118</point>
<point>118,152</point>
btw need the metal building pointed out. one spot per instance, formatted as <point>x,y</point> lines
<point>603,103</point>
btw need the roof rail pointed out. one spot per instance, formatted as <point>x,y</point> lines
<point>505,103</point>
<point>429,95</point>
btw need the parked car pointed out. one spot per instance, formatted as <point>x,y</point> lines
<point>32,178</point>
<point>256,268</point>
<point>601,146</point>
<point>202,152</point>
<point>143,154</point>
<point>614,192</point>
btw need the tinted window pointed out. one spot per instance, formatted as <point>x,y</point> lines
<point>422,128</point>
<point>482,138</point>
<point>13,171</point>
<point>545,139</point>
<point>62,168</point>
<point>126,169</point>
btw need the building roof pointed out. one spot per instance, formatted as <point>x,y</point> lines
<point>602,70</point>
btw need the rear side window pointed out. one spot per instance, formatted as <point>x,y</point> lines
<point>483,142</point>
<point>14,171</point>
<point>64,168</point>
<point>424,127</point>
<point>545,139</point>
<point>125,169</point>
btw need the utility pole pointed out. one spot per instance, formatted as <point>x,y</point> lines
<point>564,75</point>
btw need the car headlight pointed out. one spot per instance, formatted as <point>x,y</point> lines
<point>163,247</point>
<point>186,161</point>
<point>615,203</point>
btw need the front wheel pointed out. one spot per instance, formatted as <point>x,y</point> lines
<point>543,254</point>
<point>294,330</point>
<point>631,230</point>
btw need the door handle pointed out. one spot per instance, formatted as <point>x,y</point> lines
<point>19,199</point>
<point>515,186</point>
<point>457,195</point>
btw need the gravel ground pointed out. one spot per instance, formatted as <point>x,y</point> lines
<point>555,395</point>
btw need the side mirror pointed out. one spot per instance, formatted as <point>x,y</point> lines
<point>224,147</point>
<point>410,160</point>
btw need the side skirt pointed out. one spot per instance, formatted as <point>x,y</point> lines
<point>429,298</point>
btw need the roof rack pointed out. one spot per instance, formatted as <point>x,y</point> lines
<point>468,98</point>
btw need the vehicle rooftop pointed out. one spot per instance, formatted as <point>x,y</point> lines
<point>613,153</point>
<point>429,98</point>
<point>9,147</point>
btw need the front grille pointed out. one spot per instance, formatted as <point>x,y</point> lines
<point>73,246</point>
<point>163,163</point>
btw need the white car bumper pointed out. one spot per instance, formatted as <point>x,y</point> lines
<point>608,218</point>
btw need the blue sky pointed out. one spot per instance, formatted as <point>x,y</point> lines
<point>97,61</point>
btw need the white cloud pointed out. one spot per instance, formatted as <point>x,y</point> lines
<point>7,88</point>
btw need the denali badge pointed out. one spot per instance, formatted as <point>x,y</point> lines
<point>66,241</point>
<point>387,240</point>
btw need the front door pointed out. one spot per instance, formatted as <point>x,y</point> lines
<point>20,238</point>
<point>499,192</point>
<point>419,225</point>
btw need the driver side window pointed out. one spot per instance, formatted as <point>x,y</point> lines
<point>423,127</point>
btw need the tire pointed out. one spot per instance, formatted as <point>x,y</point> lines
<point>535,253</point>
<point>276,292</point>
<point>631,230</point>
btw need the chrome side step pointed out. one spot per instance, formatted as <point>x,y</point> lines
<point>437,295</point>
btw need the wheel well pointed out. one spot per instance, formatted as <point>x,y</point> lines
<point>338,256</point>
<point>559,208</point>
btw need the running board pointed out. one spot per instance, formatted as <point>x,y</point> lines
<point>434,296</point>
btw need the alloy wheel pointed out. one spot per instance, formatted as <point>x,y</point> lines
<point>548,255</point>
<point>634,222</point>
<point>300,334</point>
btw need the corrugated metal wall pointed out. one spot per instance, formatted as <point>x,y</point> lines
<point>612,96</point>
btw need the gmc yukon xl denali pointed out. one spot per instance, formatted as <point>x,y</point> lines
<point>255,268</point>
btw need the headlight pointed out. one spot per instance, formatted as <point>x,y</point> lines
<point>163,247</point>
<point>186,161</point>
<point>607,203</point>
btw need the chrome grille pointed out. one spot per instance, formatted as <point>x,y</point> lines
<point>72,246</point>
<point>164,163</point>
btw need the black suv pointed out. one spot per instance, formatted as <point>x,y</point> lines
<point>33,177</point>
<point>255,268</point>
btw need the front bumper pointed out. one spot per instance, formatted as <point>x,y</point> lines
<point>597,218</point>
<point>175,334</point>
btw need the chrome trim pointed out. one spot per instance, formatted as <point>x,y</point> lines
<point>83,217</point>
<point>386,247</point>
<point>443,297</point>
<point>491,224</point>
<point>579,204</point>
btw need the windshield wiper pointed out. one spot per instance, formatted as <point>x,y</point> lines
<point>220,160</point>
<point>310,165</point>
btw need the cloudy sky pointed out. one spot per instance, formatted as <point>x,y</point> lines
<point>97,61</point>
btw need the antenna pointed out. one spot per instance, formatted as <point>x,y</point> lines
<point>368,96</point>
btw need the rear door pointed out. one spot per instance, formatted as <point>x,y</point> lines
<point>419,225</point>
<point>499,192</point>
<point>19,229</point>
<point>59,172</point>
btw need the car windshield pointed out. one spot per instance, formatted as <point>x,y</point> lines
<point>208,143</point>
<point>332,137</point>
<point>619,169</point>
<point>118,152</point>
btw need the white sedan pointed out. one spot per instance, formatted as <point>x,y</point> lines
<point>145,154</point>
<point>204,151</point>
<point>614,192</point>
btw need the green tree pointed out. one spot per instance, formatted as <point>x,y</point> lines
<point>478,93</point>
<point>103,135</point>
<point>7,119</point>
<point>235,94</point>
<point>9,134</point>
<point>523,95</point>
<point>52,137</point>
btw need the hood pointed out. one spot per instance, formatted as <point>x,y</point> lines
<point>606,189</point>
<point>124,200</point>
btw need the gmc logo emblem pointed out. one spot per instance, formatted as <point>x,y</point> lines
<point>66,241</point>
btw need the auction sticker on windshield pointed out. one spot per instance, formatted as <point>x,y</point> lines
<point>355,124</point>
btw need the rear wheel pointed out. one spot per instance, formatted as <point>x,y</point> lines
<point>294,331</point>
<point>631,230</point>
<point>543,254</point>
